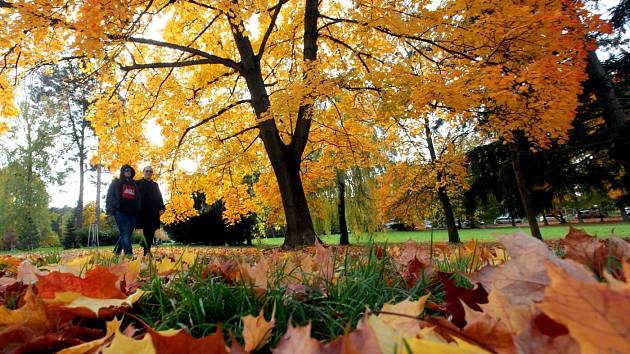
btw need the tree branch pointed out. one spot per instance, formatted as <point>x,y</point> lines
<point>206,120</point>
<point>272,24</point>
<point>213,58</point>
<point>239,133</point>
<point>175,64</point>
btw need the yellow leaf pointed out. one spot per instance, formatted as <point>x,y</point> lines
<point>71,299</point>
<point>257,330</point>
<point>124,344</point>
<point>112,327</point>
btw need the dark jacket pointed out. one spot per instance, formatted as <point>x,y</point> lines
<point>152,203</point>
<point>123,194</point>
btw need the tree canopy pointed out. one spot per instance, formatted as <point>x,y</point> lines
<point>244,87</point>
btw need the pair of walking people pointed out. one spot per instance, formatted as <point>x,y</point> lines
<point>135,204</point>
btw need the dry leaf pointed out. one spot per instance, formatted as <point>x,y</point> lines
<point>596,316</point>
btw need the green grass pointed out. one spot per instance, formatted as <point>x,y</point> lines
<point>552,232</point>
<point>198,300</point>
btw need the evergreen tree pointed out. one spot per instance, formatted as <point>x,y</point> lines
<point>69,239</point>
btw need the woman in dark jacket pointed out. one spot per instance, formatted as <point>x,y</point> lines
<point>123,203</point>
<point>152,207</point>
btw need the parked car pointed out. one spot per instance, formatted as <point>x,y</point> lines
<point>549,217</point>
<point>627,210</point>
<point>591,214</point>
<point>507,220</point>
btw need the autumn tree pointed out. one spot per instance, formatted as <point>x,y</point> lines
<point>237,87</point>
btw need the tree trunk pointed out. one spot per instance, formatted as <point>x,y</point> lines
<point>344,240</point>
<point>545,222</point>
<point>285,158</point>
<point>524,191</point>
<point>453,235</point>
<point>78,216</point>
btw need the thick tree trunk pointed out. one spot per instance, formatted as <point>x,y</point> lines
<point>524,191</point>
<point>344,240</point>
<point>453,235</point>
<point>285,158</point>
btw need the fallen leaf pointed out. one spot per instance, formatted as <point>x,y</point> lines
<point>298,340</point>
<point>181,342</point>
<point>453,294</point>
<point>523,277</point>
<point>595,315</point>
<point>585,249</point>
<point>489,331</point>
<point>403,316</point>
<point>111,328</point>
<point>500,306</point>
<point>98,283</point>
<point>257,330</point>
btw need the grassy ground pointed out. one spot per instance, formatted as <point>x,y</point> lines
<point>551,232</point>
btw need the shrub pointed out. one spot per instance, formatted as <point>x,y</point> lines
<point>209,227</point>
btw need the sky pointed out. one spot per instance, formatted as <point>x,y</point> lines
<point>67,194</point>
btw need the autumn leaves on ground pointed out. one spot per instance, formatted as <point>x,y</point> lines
<point>517,296</point>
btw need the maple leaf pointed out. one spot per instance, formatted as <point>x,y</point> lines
<point>489,331</point>
<point>257,330</point>
<point>595,315</point>
<point>453,294</point>
<point>23,324</point>
<point>27,273</point>
<point>180,341</point>
<point>427,345</point>
<point>400,316</point>
<point>111,328</point>
<point>544,335</point>
<point>298,340</point>
<point>98,283</point>
<point>500,306</point>
<point>90,307</point>
<point>523,277</point>
<point>324,261</point>
<point>585,249</point>
<point>168,341</point>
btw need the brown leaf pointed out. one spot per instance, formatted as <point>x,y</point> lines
<point>500,306</point>
<point>543,335</point>
<point>453,294</point>
<point>298,340</point>
<point>596,316</point>
<point>523,277</point>
<point>585,249</point>
<point>489,331</point>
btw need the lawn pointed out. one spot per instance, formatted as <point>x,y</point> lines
<point>552,232</point>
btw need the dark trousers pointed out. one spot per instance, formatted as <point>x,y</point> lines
<point>126,223</point>
<point>149,235</point>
